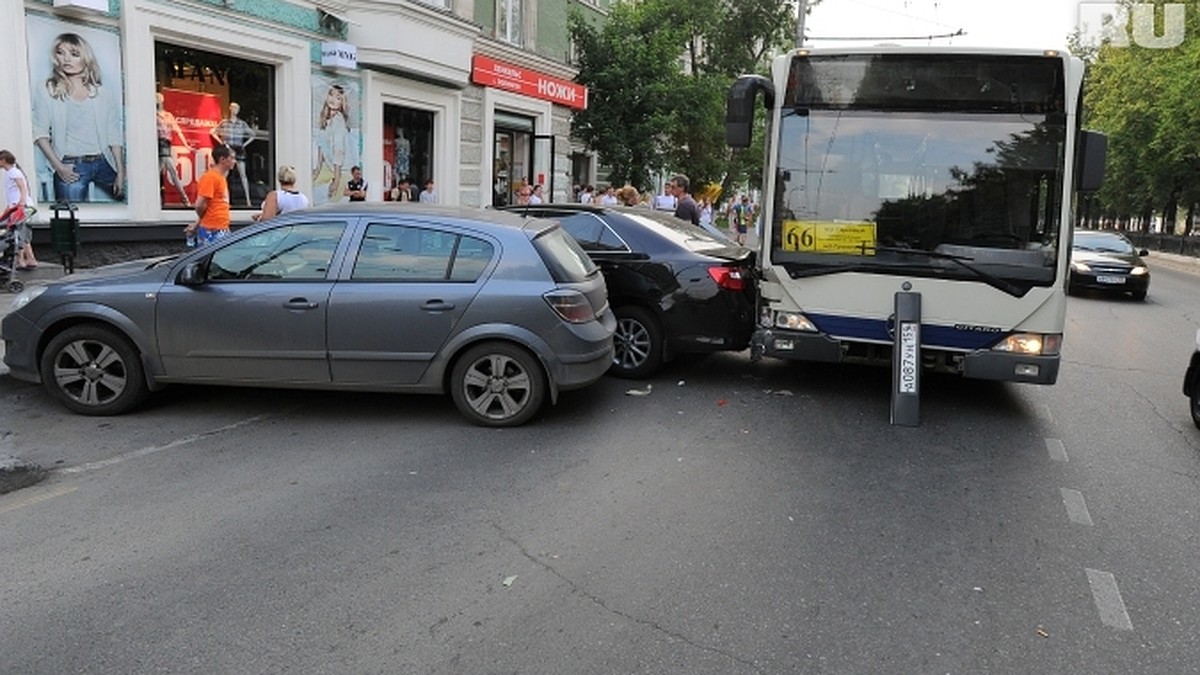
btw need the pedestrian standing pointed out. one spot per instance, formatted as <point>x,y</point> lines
<point>356,187</point>
<point>16,198</point>
<point>428,196</point>
<point>685,206</point>
<point>286,198</point>
<point>212,199</point>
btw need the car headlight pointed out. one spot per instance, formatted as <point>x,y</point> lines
<point>1080,267</point>
<point>1139,271</point>
<point>26,296</point>
<point>794,321</point>
<point>1031,343</point>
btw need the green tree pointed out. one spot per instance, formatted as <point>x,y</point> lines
<point>658,72</point>
<point>1143,98</point>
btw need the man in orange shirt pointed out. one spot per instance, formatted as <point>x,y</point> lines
<point>212,198</point>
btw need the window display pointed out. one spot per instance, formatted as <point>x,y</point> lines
<point>206,99</point>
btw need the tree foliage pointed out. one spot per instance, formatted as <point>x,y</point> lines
<point>1144,99</point>
<point>657,73</point>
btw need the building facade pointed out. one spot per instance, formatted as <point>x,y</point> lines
<point>467,99</point>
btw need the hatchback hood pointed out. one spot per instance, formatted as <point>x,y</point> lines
<point>118,270</point>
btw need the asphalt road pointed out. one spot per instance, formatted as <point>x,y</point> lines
<point>741,518</point>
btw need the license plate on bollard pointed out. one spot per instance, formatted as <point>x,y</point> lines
<point>910,338</point>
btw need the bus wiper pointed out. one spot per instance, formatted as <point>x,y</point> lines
<point>960,260</point>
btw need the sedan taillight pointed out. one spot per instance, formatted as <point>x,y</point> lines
<point>572,306</point>
<point>729,278</point>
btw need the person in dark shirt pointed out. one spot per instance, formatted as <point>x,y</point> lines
<point>356,187</point>
<point>686,207</point>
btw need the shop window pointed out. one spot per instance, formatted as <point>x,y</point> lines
<point>205,99</point>
<point>407,152</point>
<point>508,21</point>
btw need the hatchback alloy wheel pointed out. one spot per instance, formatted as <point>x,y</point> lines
<point>93,370</point>
<point>498,385</point>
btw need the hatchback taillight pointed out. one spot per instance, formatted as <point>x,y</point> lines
<point>572,306</point>
<point>729,278</point>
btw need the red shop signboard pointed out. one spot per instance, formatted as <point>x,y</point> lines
<point>493,73</point>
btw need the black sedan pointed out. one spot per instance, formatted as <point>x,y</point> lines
<point>1107,261</point>
<point>673,287</point>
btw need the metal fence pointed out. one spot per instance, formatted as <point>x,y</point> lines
<point>1167,243</point>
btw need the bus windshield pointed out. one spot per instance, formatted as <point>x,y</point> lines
<point>914,167</point>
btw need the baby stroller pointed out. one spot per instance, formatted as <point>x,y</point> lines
<point>12,227</point>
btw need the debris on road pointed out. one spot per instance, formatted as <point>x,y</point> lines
<point>640,392</point>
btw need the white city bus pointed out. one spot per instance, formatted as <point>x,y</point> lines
<point>948,175</point>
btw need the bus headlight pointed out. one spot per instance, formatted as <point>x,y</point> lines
<point>1031,343</point>
<point>794,321</point>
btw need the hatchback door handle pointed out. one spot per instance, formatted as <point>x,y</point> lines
<point>299,303</point>
<point>437,306</point>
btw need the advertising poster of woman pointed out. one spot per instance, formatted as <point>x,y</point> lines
<point>337,136</point>
<point>78,128</point>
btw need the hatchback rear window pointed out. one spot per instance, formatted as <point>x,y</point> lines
<point>566,260</point>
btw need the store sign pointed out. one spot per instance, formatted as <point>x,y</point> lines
<point>491,73</point>
<point>339,55</point>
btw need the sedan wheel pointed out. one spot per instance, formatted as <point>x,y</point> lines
<point>93,370</point>
<point>498,385</point>
<point>638,344</point>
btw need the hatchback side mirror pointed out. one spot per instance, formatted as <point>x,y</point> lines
<point>191,275</point>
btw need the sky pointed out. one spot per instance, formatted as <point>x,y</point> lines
<point>1038,24</point>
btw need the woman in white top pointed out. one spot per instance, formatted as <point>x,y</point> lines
<point>285,199</point>
<point>16,199</point>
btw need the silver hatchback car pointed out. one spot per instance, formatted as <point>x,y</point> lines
<point>499,311</point>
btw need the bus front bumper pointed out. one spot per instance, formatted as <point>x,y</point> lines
<point>978,365</point>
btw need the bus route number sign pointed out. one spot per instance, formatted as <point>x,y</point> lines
<point>806,236</point>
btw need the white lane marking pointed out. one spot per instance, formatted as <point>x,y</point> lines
<point>1108,600</point>
<point>134,454</point>
<point>1058,451</point>
<point>29,500</point>
<point>1077,509</point>
<point>1043,411</point>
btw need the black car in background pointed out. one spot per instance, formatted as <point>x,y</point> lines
<point>674,287</point>
<point>1108,262</point>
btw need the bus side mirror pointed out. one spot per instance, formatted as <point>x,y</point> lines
<point>739,107</point>
<point>1093,151</point>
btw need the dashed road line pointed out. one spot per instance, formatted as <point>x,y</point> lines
<point>1077,509</point>
<point>1056,449</point>
<point>1108,600</point>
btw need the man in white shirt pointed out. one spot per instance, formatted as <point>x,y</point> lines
<point>536,197</point>
<point>665,201</point>
<point>428,196</point>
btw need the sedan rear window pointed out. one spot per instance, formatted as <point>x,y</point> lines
<point>566,260</point>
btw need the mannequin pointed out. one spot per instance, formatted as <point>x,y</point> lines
<point>168,126</point>
<point>403,150</point>
<point>235,133</point>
